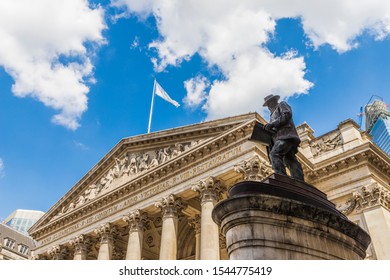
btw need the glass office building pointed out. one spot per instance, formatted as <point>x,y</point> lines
<point>378,124</point>
<point>22,220</point>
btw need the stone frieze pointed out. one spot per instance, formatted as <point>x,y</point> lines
<point>125,169</point>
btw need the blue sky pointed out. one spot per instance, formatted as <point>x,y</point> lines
<point>77,76</point>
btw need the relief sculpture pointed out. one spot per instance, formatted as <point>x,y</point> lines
<point>126,168</point>
<point>326,143</point>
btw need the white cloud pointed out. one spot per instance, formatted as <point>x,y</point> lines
<point>43,49</point>
<point>2,167</point>
<point>232,35</point>
<point>251,77</point>
<point>196,94</point>
<point>140,7</point>
<point>80,145</point>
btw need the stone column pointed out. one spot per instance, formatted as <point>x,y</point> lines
<point>373,202</point>
<point>79,243</point>
<point>210,191</point>
<point>57,253</point>
<point>378,224</point>
<point>171,207</point>
<point>105,232</point>
<point>194,222</point>
<point>137,221</point>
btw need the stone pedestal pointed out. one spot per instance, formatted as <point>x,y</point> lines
<point>281,218</point>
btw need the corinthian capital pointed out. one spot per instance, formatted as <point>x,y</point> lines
<point>195,222</point>
<point>57,252</point>
<point>366,197</point>
<point>254,169</point>
<point>209,189</point>
<point>171,206</point>
<point>105,232</point>
<point>137,220</point>
<point>80,243</point>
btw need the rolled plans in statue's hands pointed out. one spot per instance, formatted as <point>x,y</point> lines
<point>261,135</point>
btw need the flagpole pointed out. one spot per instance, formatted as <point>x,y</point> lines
<point>151,106</point>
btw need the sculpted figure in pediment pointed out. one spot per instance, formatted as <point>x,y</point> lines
<point>191,145</point>
<point>153,163</point>
<point>163,155</point>
<point>143,162</point>
<point>91,192</point>
<point>106,180</point>
<point>122,165</point>
<point>133,169</point>
<point>79,201</point>
<point>177,150</point>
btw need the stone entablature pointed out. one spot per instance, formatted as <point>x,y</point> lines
<point>347,136</point>
<point>367,155</point>
<point>339,151</point>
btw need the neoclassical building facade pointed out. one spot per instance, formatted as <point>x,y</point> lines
<point>151,197</point>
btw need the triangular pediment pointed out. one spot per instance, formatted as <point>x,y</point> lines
<point>140,159</point>
<point>128,167</point>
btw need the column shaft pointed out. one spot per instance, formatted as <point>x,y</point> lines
<point>168,249</point>
<point>137,220</point>
<point>378,223</point>
<point>210,191</point>
<point>80,252</point>
<point>171,206</point>
<point>105,251</point>
<point>134,245</point>
<point>209,231</point>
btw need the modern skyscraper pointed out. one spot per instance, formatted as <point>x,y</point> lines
<point>22,220</point>
<point>378,124</point>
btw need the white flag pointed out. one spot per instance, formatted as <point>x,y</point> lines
<point>162,93</point>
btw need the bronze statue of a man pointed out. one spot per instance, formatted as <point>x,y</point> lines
<point>285,139</point>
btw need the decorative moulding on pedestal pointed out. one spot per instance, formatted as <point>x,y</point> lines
<point>282,218</point>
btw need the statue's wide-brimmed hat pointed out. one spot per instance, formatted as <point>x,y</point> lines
<point>270,97</point>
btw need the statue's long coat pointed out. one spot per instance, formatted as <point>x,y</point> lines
<point>281,119</point>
